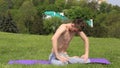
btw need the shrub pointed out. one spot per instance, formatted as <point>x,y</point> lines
<point>51,24</point>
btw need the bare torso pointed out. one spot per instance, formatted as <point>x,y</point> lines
<point>64,40</point>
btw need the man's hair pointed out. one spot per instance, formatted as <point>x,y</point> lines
<point>77,21</point>
<point>80,23</point>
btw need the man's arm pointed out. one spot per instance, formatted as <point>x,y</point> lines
<point>86,43</point>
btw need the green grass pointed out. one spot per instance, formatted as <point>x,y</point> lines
<point>25,46</point>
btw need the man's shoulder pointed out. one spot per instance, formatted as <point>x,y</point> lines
<point>62,26</point>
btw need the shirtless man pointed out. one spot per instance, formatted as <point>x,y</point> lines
<point>61,40</point>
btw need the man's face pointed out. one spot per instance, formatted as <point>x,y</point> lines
<point>75,28</point>
<point>78,27</point>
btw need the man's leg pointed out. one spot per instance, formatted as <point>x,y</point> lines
<point>73,60</point>
<point>55,61</point>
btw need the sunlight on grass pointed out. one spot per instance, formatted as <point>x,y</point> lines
<point>25,46</point>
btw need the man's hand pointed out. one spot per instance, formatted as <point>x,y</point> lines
<point>62,58</point>
<point>85,57</point>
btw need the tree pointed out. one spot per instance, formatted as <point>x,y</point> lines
<point>51,1</point>
<point>3,7</point>
<point>60,5</point>
<point>51,24</point>
<point>37,2</point>
<point>112,23</point>
<point>100,29</point>
<point>27,12</point>
<point>17,3</point>
<point>7,24</point>
<point>105,8</point>
<point>37,26</point>
<point>79,12</point>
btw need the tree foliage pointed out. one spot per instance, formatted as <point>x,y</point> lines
<point>26,16</point>
<point>77,11</point>
<point>50,25</point>
<point>7,24</point>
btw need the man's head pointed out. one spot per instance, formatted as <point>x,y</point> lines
<point>79,24</point>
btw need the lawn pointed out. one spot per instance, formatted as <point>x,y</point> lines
<point>36,47</point>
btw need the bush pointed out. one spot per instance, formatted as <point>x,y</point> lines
<point>51,24</point>
<point>113,23</point>
<point>79,12</point>
<point>7,24</point>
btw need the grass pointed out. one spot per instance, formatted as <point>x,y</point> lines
<point>25,46</point>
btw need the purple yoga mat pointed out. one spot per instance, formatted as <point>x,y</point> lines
<point>99,60</point>
<point>30,62</point>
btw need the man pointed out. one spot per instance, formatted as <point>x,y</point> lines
<point>61,40</point>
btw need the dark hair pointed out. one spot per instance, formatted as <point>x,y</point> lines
<point>79,22</point>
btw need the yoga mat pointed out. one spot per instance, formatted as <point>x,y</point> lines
<point>30,62</point>
<point>99,60</point>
